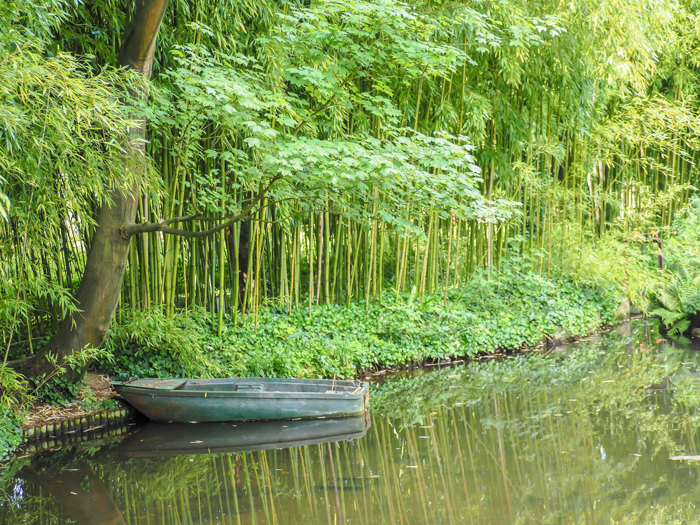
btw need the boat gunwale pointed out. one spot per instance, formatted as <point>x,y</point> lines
<point>150,391</point>
<point>340,383</point>
<point>226,380</point>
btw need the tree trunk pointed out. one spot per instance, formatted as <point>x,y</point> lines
<point>243,255</point>
<point>100,287</point>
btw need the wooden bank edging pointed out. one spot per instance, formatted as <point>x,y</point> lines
<point>95,425</point>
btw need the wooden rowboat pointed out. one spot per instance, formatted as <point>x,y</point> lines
<point>243,399</point>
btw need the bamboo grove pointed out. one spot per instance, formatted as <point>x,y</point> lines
<point>385,147</point>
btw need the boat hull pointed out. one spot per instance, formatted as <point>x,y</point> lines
<point>238,399</point>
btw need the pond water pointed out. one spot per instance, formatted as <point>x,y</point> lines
<point>602,431</point>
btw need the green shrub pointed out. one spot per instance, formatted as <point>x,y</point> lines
<point>58,391</point>
<point>678,294</point>
<point>152,344</point>
<point>10,433</point>
<point>13,397</point>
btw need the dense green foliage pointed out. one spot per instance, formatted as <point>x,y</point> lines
<point>514,309</point>
<point>414,143</point>
<point>10,433</point>
<point>679,294</point>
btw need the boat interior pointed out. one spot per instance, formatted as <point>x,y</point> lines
<point>256,385</point>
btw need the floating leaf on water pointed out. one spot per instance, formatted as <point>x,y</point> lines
<point>685,458</point>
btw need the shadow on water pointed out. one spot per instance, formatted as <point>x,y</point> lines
<point>601,431</point>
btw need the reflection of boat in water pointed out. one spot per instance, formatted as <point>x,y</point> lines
<point>174,439</point>
<point>243,399</point>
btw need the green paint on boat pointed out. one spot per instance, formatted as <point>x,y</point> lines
<point>178,400</point>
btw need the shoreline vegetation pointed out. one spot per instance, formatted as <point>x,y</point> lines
<point>514,309</point>
<point>509,312</point>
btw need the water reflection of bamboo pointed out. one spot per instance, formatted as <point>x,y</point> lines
<point>501,457</point>
<point>510,454</point>
<point>234,489</point>
<point>388,477</point>
<point>449,476</point>
<point>460,457</point>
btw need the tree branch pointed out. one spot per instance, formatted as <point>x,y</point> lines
<point>162,226</point>
<point>326,105</point>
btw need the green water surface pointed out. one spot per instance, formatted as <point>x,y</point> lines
<point>589,433</point>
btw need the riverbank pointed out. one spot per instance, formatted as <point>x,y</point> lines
<point>510,311</point>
